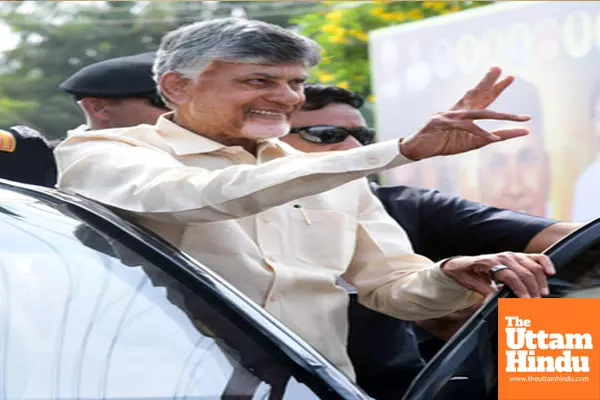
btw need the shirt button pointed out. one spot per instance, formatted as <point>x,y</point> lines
<point>373,160</point>
<point>266,218</point>
<point>273,299</point>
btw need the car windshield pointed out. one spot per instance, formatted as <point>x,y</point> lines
<point>82,316</point>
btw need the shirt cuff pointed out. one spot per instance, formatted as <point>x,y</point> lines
<point>441,277</point>
<point>382,155</point>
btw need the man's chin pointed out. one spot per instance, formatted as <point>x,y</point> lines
<point>265,132</point>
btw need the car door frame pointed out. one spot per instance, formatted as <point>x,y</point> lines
<point>304,363</point>
<point>483,324</point>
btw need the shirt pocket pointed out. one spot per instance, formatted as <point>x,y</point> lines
<point>322,238</point>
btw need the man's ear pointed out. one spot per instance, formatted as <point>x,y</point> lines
<point>95,108</point>
<point>175,87</point>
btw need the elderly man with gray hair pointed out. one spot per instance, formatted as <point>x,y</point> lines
<point>213,179</point>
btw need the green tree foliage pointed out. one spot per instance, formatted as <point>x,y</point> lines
<point>342,30</point>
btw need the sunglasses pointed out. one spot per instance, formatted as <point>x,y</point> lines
<point>326,134</point>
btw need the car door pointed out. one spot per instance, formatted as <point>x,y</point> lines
<point>466,367</point>
<point>88,311</point>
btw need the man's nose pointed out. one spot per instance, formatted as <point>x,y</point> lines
<point>513,180</point>
<point>285,94</point>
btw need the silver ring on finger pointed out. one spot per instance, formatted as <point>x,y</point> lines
<point>495,269</point>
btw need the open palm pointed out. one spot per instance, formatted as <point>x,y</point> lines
<point>455,131</point>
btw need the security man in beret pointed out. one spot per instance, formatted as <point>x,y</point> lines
<point>115,93</point>
<point>26,157</point>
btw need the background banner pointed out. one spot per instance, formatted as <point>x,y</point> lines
<point>553,50</point>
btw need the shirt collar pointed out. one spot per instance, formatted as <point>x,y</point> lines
<point>80,128</point>
<point>183,141</point>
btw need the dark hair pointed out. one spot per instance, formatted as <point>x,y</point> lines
<point>191,48</point>
<point>319,96</point>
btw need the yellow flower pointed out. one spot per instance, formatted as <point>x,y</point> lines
<point>334,16</point>
<point>325,77</point>
<point>360,35</point>
<point>337,39</point>
<point>329,28</point>
<point>397,16</point>
<point>377,12</point>
<point>326,60</point>
<point>415,13</point>
<point>344,85</point>
<point>386,16</point>
<point>371,98</point>
<point>455,7</point>
<point>435,5</point>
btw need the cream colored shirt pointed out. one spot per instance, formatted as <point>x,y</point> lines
<point>239,215</point>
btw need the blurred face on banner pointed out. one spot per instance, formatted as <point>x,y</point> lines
<point>515,174</point>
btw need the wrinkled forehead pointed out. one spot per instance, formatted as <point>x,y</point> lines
<point>288,71</point>
<point>336,114</point>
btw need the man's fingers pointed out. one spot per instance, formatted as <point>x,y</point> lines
<point>537,271</point>
<point>545,262</point>
<point>485,85</point>
<point>486,114</point>
<point>527,278</point>
<point>512,280</point>
<point>510,133</point>
<point>481,97</point>
<point>478,284</point>
<point>499,88</point>
<point>487,82</point>
<point>474,129</point>
<point>490,137</point>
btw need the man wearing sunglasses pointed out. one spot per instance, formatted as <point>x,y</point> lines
<point>383,349</point>
<point>116,93</point>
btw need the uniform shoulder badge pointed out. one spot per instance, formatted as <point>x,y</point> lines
<point>8,143</point>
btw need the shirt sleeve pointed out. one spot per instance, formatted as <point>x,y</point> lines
<point>391,278</point>
<point>446,226</point>
<point>138,178</point>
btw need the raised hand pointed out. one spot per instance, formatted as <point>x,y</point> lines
<point>455,131</point>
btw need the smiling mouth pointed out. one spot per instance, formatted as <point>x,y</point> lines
<point>265,112</point>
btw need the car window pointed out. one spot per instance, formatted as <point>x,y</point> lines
<point>580,275</point>
<point>82,316</point>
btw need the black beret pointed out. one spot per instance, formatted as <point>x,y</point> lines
<point>26,157</point>
<point>129,76</point>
